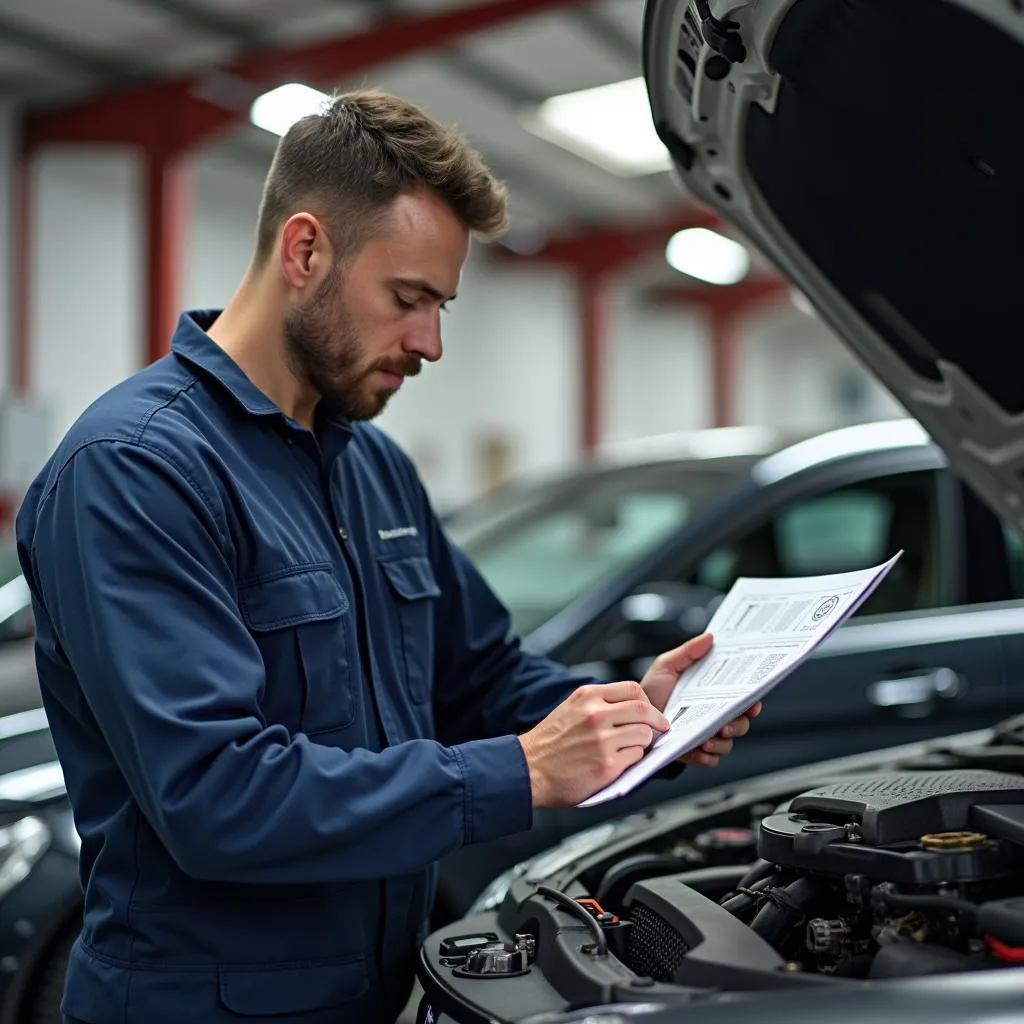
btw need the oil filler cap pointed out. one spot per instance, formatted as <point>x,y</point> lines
<point>495,960</point>
<point>455,949</point>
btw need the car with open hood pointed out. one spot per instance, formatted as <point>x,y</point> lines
<point>873,151</point>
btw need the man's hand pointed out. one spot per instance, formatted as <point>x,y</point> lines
<point>660,681</point>
<point>588,741</point>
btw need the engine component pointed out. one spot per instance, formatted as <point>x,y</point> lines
<point>828,937</point>
<point>1003,920</point>
<point>783,910</point>
<point>486,956</point>
<point>684,938</point>
<point>906,828</point>
<point>626,872</point>
<point>456,949</point>
<point>497,960</point>
<point>726,845</point>
<point>952,840</point>
<point>911,959</point>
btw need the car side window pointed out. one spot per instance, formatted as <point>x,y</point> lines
<point>852,527</point>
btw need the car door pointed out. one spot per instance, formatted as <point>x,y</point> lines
<point>916,661</point>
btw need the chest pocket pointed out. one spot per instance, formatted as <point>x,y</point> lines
<point>299,618</point>
<point>416,591</point>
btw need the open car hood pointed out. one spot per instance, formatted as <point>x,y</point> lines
<point>873,151</point>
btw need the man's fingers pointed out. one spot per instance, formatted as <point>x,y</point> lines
<point>633,736</point>
<point>741,726</point>
<point>685,655</point>
<point>626,713</point>
<point>737,727</point>
<point>616,692</point>
<point>701,757</point>
<point>717,746</point>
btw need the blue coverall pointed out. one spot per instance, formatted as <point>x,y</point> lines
<point>278,693</point>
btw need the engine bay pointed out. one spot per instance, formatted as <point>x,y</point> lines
<point>880,876</point>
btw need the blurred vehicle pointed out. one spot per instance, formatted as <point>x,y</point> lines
<point>858,147</point>
<point>19,688</point>
<point>613,563</point>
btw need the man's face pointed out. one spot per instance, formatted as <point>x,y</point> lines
<point>363,332</point>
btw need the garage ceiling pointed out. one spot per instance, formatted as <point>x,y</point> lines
<point>51,50</point>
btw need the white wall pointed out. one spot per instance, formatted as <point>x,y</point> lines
<point>509,371</point>
<point>510,367</point>
<point>86,276</point>
<point>7,199</point>
<point>798,376</point>
<point>221,230</point>
<point>658,371</point>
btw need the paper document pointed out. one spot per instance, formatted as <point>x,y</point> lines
<point>763,629</point>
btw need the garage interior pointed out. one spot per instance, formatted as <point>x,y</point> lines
<point>635,407</point>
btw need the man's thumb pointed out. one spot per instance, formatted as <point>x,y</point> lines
<point>686,654</point>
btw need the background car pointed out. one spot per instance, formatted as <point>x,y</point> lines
<point>607,567</point>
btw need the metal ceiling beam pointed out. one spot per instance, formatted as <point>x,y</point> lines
<point>199,15</point>
<point>508,88</point>
<point>603,29</point>
<point>28,37</point>
<point>609,248</point>
<point>181,113</point>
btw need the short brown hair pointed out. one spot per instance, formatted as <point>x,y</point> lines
<point>348,163</point>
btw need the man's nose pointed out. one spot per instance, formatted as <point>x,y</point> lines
<point>425,342</point>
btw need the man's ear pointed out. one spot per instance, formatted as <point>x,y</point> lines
<point>305,250</point>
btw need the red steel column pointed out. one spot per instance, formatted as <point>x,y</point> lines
<point>593,299</point>
<point>166,183</point>
<point>596,255</point>
<point>725,337</point>
<point>22,254</point>
<point>725,307</point>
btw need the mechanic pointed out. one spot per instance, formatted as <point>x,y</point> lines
<point>278,693</point>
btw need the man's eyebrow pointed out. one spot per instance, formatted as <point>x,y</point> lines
<point>421,285</point>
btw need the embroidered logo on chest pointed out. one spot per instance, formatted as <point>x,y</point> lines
<point>399,531</point>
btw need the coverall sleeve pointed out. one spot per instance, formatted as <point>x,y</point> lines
<point>131,560</point>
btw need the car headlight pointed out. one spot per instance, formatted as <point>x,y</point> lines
<point>22,843</point>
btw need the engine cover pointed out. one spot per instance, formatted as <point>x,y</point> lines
<point>912,827</point>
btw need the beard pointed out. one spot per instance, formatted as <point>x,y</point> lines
<point>322,346</point>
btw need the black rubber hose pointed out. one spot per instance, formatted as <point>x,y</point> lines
<point>758,870</point>
<point>600,939</point>
<point>744,901</point>
<point>789,906</point>
<point>950,903</point>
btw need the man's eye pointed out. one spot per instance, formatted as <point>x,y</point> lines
<point>403,305</point>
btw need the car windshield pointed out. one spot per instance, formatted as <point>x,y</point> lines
<point>542,547</point>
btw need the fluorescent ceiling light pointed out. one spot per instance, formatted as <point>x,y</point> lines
<point>610,125</point>
<point>276,111</point>
<point>707,256</point>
